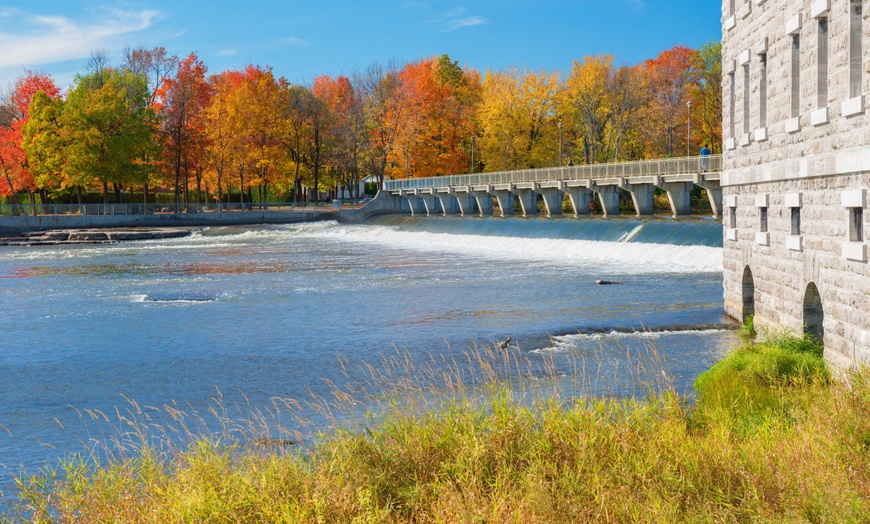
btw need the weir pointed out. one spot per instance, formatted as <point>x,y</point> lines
<point>453,194</point>
<point>682,232</point>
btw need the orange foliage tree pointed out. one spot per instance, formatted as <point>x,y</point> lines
<point>182,101</point>
<point>437,131</point>
<point>670,77</point>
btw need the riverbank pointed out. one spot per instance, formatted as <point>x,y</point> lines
<point>15,225</point>
<point>770,438</point>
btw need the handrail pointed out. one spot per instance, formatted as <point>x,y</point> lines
<point>660,167</point>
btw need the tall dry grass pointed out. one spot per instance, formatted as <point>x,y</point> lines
<point>770,439</point>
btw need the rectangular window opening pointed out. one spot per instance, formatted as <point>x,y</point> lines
<point>796,76</point>
<point>762,92</point>
<point>762,219</point>
<point>746,96</point>
<point>732,215</point>
<point>731,105</point>
<point>822,86</point>
<point>796,221</point>
<point>856,88</point>
<point>856,224</point>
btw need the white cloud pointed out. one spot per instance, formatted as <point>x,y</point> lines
<point>227,52</point>
<point>465,22</point>
<point>30,40</point>
<point>455,19</point>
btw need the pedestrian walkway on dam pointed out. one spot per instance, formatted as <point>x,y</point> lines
<point>478,193</point>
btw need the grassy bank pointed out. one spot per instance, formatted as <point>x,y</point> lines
<point>771,438</point>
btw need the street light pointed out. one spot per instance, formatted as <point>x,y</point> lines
<point>472,154</point>
<point>407,164</point>
<point>689,133</point>
<point>560,143</point>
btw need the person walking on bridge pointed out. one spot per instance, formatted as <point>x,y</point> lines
<point>705,158</point>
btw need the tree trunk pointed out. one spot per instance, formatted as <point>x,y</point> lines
<point>79,194</point>
<point>105,193</point>
<point>220,188</point>
<point>199,185</point>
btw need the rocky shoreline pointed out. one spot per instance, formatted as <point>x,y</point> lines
<point>93,236</point>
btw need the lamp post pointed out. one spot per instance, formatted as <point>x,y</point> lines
<point>560,143</point>
<point>407,164</point>
<point>472,154</point>
<point>689,132</point>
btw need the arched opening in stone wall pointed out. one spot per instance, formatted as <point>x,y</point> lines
<point>748,294</point>
<point>814,316</point>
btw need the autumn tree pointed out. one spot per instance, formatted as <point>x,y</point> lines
<point>156,65</point>
<point>219,131</point>
<point>293,131</point>
<point>14,116</point>
<point>243,131</point>
<point>707,95</point>
<point>670,80</point>
<point>182,101</point>
<point>603,103</point>
<point>518,115</point>
<point>439,116</point>
<point>385,111</point>
<point>106,130</point>
<point>344,129</point>
<point>43,143</point>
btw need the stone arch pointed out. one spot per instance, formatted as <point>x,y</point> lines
<point>748,294</point>
<point>814,315</point>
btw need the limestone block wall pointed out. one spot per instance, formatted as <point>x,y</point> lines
<point>814,156</point>
<point>782,269</point>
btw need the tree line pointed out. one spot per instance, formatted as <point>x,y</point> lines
<point>158,122</point>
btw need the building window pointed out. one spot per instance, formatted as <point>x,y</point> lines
<point>795,76</point>
<point>822,86</point>
<point>746,95</point>
<point>762,219</point>
<point>732,7</point>
<point>855,49</point>
<point>732,217</point>
<point>762,92</point>
<point>796,221</point>
<point>856,224</point>
<point>731,105</point>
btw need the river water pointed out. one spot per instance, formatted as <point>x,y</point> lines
<point>258,313</point>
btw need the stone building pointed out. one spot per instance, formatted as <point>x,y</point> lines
<point>796,169</point>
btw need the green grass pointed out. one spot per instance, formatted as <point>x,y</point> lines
<point>771,439</point>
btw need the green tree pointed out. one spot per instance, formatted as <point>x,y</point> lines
<point>707,95</point>
<point>106,129</point>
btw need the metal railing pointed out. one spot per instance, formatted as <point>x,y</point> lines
<point>154,209</point>
<point>662,167</point>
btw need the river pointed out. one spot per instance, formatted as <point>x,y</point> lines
<point>253,314</point>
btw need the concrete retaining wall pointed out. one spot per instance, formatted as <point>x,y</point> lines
<point>383,204</point>
<point>14,225</point>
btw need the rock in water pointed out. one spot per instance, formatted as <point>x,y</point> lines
<point>607,283</point>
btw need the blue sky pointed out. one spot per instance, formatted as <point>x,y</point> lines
<point>302,40</point>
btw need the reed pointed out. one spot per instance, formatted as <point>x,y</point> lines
<point>770,438</point>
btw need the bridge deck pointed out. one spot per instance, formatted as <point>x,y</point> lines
<point>684,168</point>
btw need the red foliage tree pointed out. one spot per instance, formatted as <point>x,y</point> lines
<point>13,161</point>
